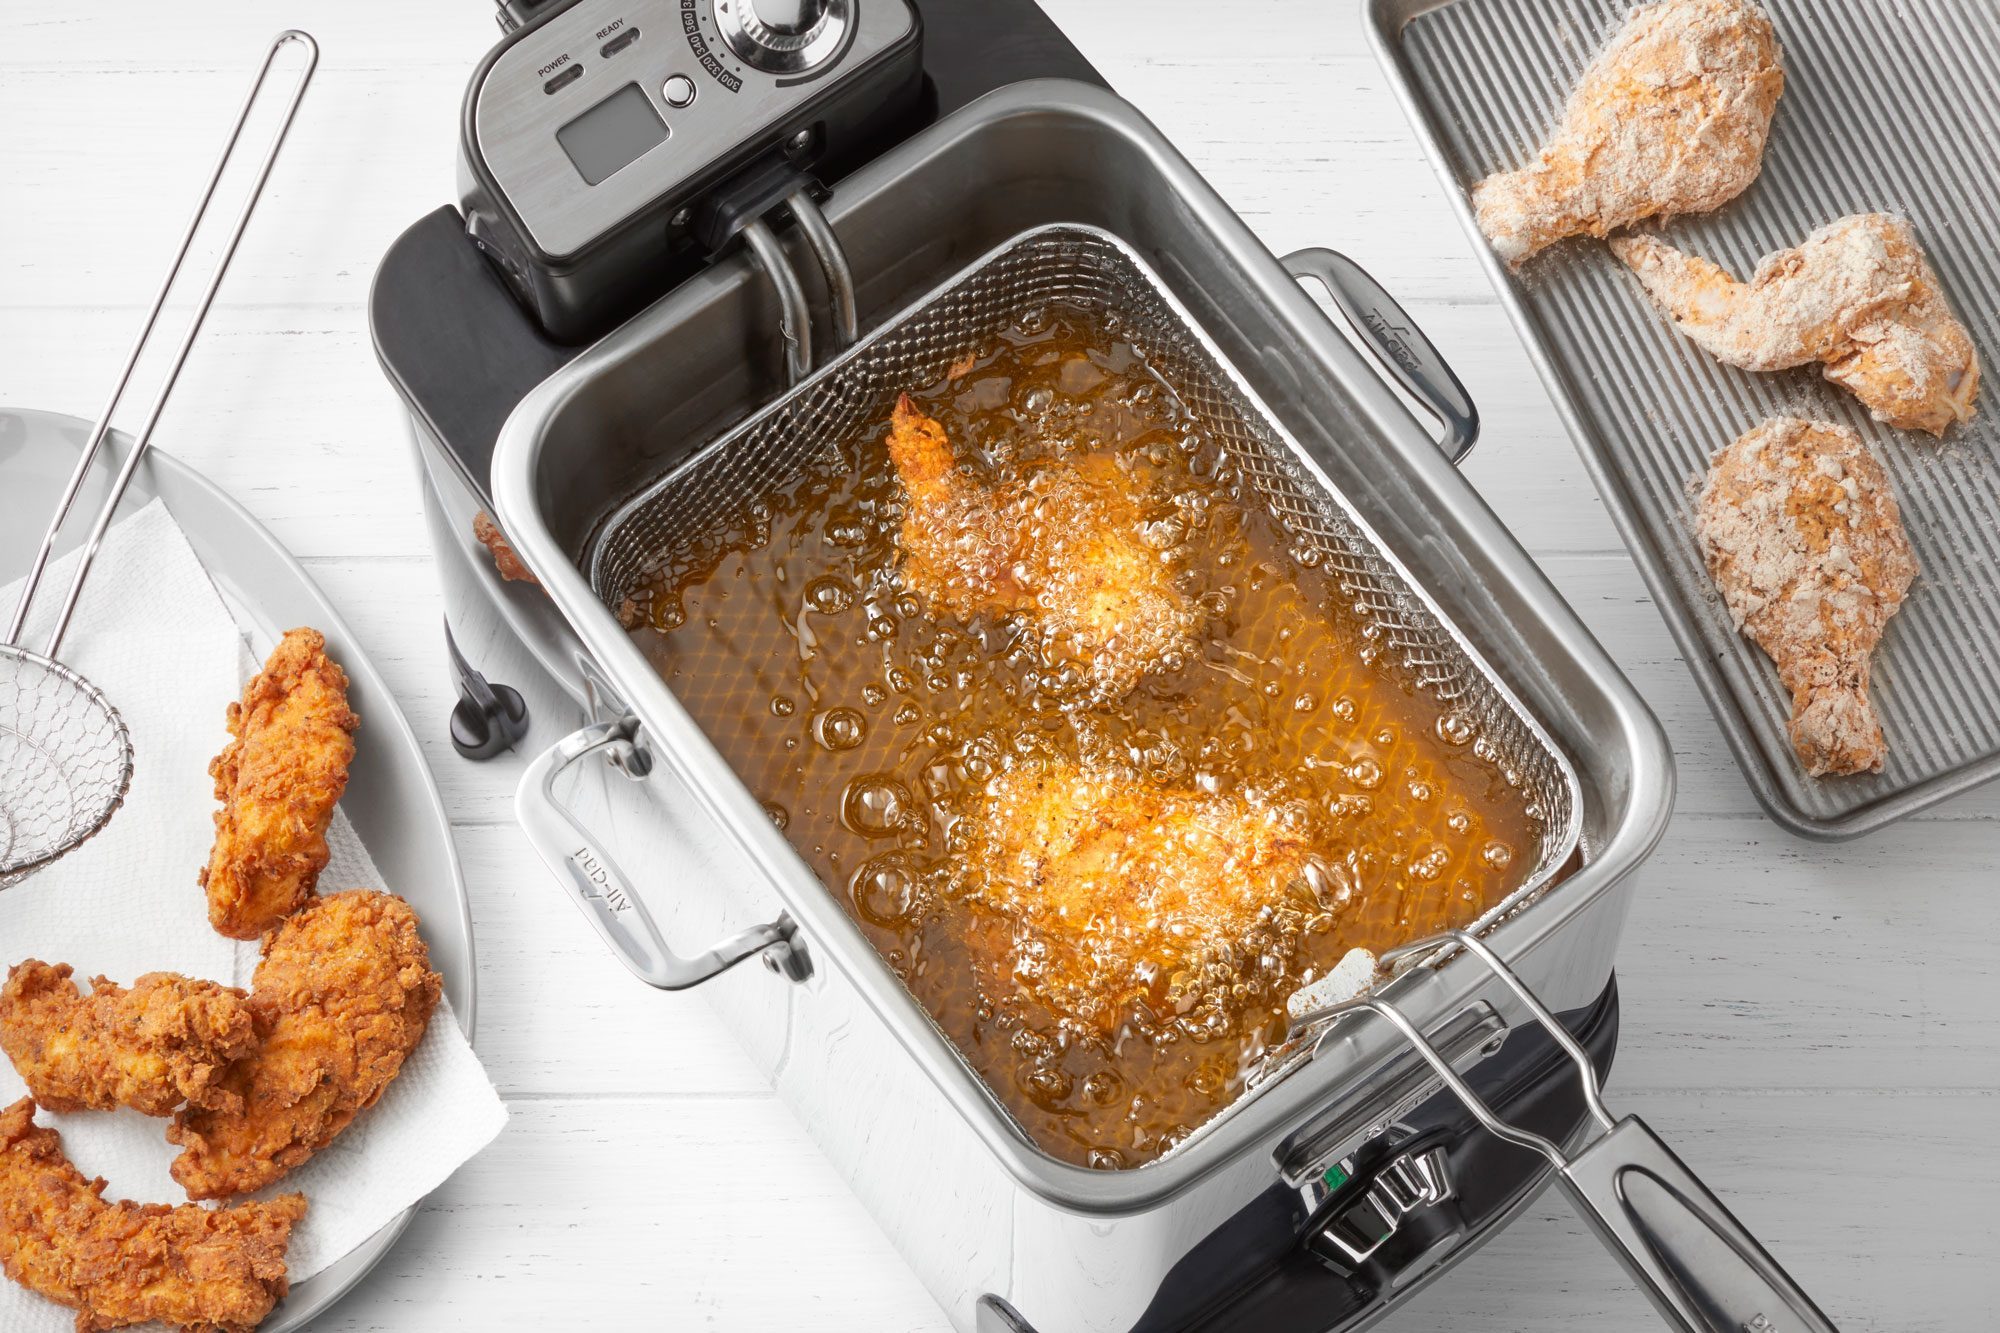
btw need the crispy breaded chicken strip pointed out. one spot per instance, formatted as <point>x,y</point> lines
<point>278,782</point>
<point>342,996</point>
<point>1671,118</point>
<point>161,1043</point>
<point>204,1270</point>
<point>1066,545</point>
<point>1802,534</point>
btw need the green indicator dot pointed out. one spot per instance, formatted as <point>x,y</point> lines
<point>1334,1176</point>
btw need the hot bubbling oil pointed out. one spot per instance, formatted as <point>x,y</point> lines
<point>868,727</point>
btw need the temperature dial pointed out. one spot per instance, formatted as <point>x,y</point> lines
<point>784,36</point>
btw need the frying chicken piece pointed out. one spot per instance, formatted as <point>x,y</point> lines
<point>1857,295</point>
<point>204,1270</point>
<point>161,1043</point>
<point>278,782</point>
<point>1803,537</point>
<point>1067,546</point>
<point>343,994</point>
<point>507,561</point>
<point>1670,118</point>
<point>1116,891</point>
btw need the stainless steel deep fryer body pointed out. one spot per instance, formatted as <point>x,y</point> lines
<point>974,1207</point>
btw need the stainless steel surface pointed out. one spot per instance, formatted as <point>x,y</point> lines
<point>69,754</point>
<point>1882,110</point>
<point>1412,1181</point>
<point>391,799</point>
<point>1399,345</point>
<point>794,316</point>
<point>1068,1248</point>
<point>833,266</point>
<point>785,36</point>
<point>598,887</point>
<point>514,119</point>
<point>1703,1272</point>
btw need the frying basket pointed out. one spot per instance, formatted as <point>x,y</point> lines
<point>1091,271</point>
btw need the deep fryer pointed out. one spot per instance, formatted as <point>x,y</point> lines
<point>1338,1189</point>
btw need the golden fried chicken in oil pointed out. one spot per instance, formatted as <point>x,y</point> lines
<point>1671,118</point>
<point>278,781</point>
<point>204,1270</point>
<point>343,995</point>
<point>1066,546</point>
<point>1803,537</point>
<point>161,1043</point>
<point>1116,890</point>
<point>1857,296</point>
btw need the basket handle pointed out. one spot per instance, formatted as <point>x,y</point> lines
<point>1403,350</point>
<point>592,878</point>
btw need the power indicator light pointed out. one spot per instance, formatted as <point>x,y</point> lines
<point>1335,1176</point>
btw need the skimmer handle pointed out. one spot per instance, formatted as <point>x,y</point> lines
<point>1387,330</point>
<point>144,437</point>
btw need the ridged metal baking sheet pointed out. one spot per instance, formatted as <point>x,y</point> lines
<point>1889,105</point>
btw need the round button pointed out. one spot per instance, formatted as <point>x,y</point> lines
<point>678,91</point>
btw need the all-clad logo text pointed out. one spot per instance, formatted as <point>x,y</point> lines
<point>599,879</point>
<point>1394,340</point>
<point>1760,1324</point>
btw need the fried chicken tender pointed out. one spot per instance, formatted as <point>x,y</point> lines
<point>204,1270</point>
<point>1066,546</point>
<point>1802,534</point>
<point>1671,118</point>
<point>1857,295</point>
<point>343,995</point>
<point>161,1043</point>
<point>1115,891</point>
<point>278,782</point>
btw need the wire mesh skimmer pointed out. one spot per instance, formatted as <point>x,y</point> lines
<point>65,753</point>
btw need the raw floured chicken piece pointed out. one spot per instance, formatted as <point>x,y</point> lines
<point>1671,118</point>
<point>1857,295</point>
<point>1803,537</point>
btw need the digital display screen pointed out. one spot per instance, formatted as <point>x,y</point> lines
<point>613,134</point>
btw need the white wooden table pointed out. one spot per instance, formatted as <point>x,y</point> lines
<point>1814,1026</point>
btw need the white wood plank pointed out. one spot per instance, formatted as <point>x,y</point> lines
<point>708,1212</point>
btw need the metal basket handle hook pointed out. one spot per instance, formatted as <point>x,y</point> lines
<point>1703,1272</point>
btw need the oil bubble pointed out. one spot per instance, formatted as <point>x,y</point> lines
<point>829,595</point>
<point>782,706</point>
<point>778,814</point>
<point>1498,855</point>
<point>877,806</point>
<point>1365,774</point>
<point>885,889</point>
<point>840,728</point>
<point>1454,729</point>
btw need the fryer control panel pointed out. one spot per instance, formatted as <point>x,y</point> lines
<point>607,110</point>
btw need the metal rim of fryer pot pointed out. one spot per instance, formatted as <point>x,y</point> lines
<point>1433,994</point>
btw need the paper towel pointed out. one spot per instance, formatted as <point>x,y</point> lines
<point>153,633</point>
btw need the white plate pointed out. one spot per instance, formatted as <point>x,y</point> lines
<point>392,802</point>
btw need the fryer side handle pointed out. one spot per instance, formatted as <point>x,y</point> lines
<point>592,878</point>
<point>1703,1271</point>
<point>1402,348</point>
